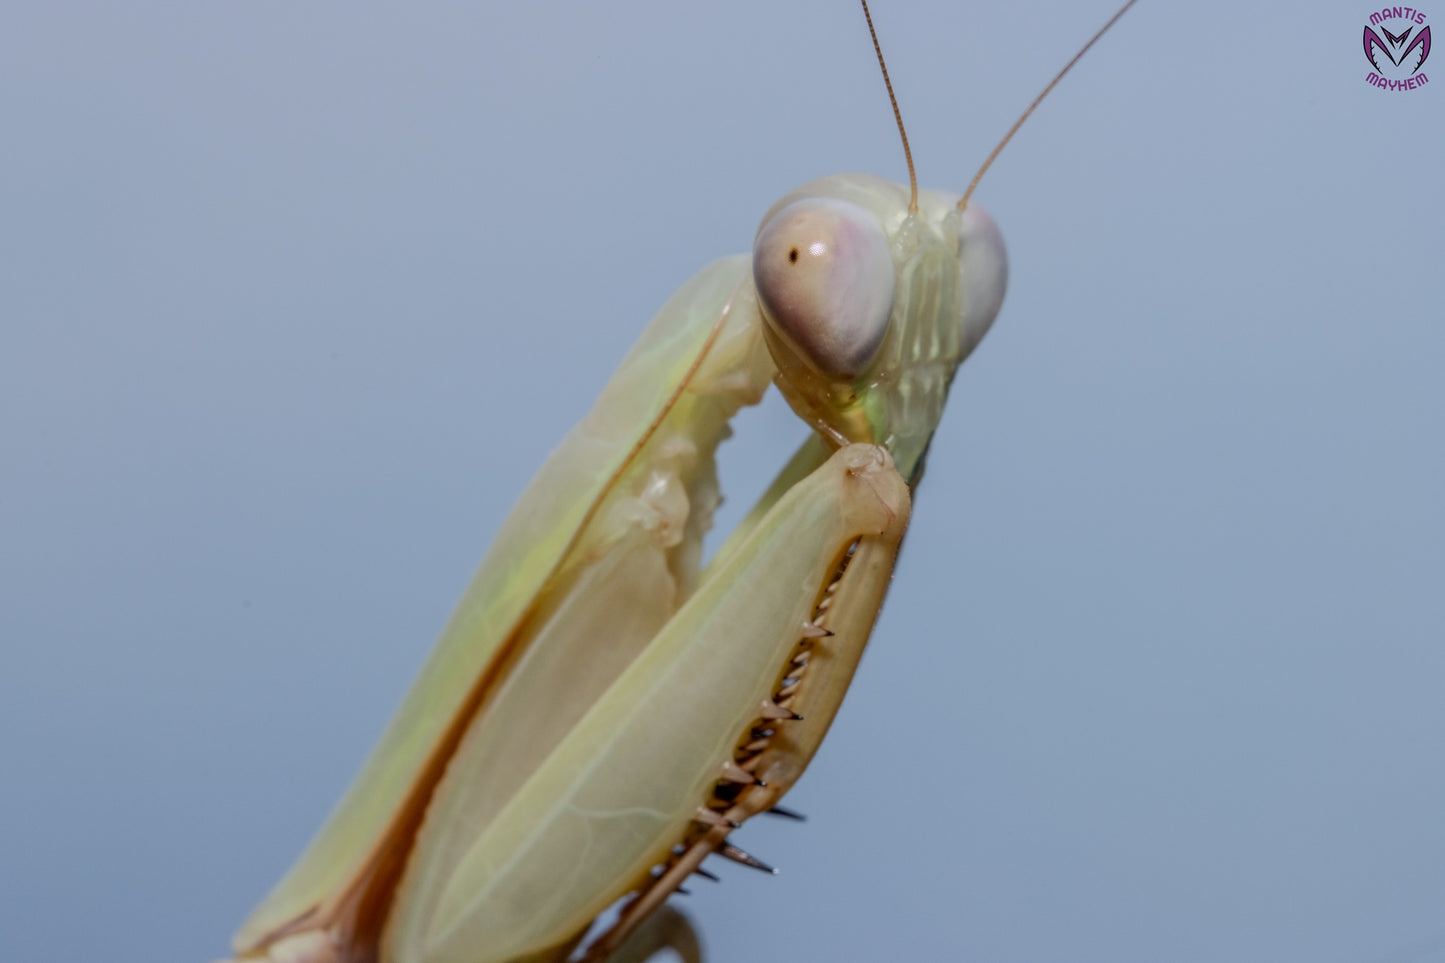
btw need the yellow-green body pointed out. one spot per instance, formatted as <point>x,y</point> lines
<point>595,680</point>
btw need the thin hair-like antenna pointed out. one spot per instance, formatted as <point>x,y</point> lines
<point>907,154</point>
<point>963,201</point>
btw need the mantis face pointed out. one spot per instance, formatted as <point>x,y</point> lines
<point>603,710</point>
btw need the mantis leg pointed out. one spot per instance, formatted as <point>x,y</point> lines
<point>667,929</point>
<point>626,784</point>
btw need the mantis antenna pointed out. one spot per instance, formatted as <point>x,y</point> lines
<point>898,116</point>
<point>963,201</point>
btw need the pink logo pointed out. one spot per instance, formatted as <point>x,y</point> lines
<point>1397,52</point>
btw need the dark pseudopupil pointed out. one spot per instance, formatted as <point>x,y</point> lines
<point>793,256</point>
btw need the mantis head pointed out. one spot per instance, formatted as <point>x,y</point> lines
<point>871,303</point>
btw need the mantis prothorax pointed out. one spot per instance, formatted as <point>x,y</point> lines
<point>602,709</point>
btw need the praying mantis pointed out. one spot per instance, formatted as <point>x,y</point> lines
<point>526,784</point>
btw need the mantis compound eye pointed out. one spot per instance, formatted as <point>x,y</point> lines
<point>983,273</point>
<point>825,282</point>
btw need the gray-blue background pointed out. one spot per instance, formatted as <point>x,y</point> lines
<point>293,300</point>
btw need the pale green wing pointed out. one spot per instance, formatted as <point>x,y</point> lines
<point>527,551</point>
